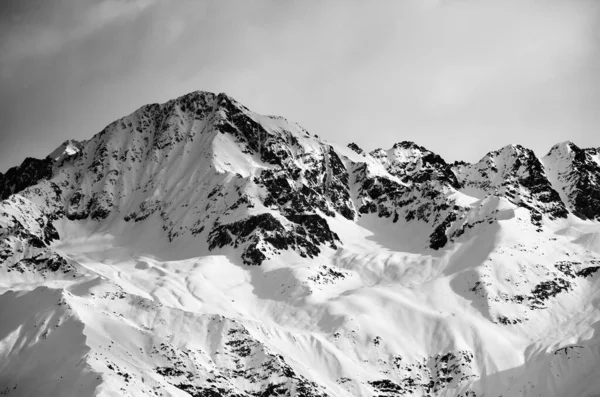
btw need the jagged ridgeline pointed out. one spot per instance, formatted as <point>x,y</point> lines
<point>198,248</point>
<point>210,168</point>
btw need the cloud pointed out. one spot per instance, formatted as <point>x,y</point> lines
<point>33,31</point>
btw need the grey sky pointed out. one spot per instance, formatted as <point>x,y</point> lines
<point>460,77</point>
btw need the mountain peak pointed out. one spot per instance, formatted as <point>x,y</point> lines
<point>576,174</point>
<point>563,149</point>
<point>69,148</point>
<point>409,145</point>
<point>510,150</point>
<point>513,172</point>
<point>413,163</point>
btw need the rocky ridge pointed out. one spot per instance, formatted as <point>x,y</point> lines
<point>296,182</point>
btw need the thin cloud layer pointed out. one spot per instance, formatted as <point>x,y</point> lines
<point>459,77</point>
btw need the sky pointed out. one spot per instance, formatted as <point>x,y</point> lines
<point>460,77</point>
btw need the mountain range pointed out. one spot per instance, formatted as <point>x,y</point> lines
<point>196,248</point>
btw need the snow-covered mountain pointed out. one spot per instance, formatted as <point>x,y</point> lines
<point>196,248</point>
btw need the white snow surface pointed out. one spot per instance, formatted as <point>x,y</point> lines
<point>145,306</point>
<point>67,149</point>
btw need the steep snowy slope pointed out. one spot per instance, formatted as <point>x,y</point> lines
<point>198,248</point>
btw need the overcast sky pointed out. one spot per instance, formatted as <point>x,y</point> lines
<point>460,77</point>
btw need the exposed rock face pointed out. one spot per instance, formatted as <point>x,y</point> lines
<point>27,174</point>
<point>305,234</point>
<point>416,185</point>
<point>355,148</point>
<point>515,173</point>
<point>577,175</point>
<point>25,237</point>
<point>414,164</point>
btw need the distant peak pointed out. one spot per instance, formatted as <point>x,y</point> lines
<point>513,147</point>
<point>511,150</point>
<point>69,148</point>
<point>403,145</point>
<point>199,93</point>
<point>563,148</point>
<point>227,102</point>
<point>379,152</point>
<point>193,96</point>
<point>409,145</point>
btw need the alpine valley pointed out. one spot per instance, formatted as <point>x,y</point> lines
<point>196,248</point>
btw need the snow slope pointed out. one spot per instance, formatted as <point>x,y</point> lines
<point>196,248</point>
